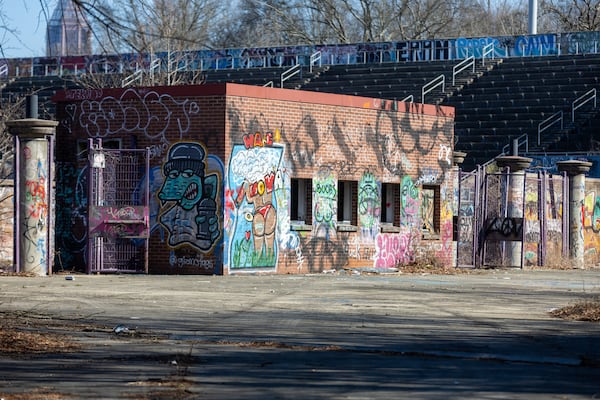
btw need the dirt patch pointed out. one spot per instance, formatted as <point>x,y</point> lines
<point>20,334</point>
<point>38,394</point>
<point>174,388</point>
<point>585,310</point>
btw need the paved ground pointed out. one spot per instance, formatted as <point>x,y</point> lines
<point>468,336</point>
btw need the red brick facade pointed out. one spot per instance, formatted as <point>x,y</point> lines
<point>384,167</point>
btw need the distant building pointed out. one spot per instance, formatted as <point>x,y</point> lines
<point>68,32</point>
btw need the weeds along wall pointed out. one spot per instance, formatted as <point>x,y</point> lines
<point>298,181</point>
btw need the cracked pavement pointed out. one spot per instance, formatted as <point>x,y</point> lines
<point>486,335</point>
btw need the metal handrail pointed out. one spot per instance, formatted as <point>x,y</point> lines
<point>428,87</point>
<point>154,66</point>
<point>296,69</point>
<point>314,58</point>
<point>548,122</point>
<point>487,50</point>
<point>461,66</point>
<point>269,84</point>
<point>519,143</point>
<point>4,70</point>
<point>136,76</point>
<point>581,100</point>
<point>408,99</point>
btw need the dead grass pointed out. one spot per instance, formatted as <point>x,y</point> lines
<point>19,334</point>
<point>584,310</point>
<point>173,388</point>
<point>37,394</point>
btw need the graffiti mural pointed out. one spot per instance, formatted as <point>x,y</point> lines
<point>533,233</point>
<point>189,198</point>
<point>325,204</point>
<point>252,202</point>
<point>34,206</point>
<point>71,216</point>
<point>535,45</point>
<point>371,52</point>
<point>153,115</point>
<point>591,224</point>
<point>409,203</point>
<point>288,239</point>
<point>392,250</point>
<point>369,206</point>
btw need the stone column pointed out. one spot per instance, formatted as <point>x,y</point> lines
<point>516,165</point>
<point>34,139</point>
<point>576,170</point>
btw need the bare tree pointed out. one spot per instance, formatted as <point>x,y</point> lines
<point>571,15</point>
<point>147,26</point>
<point>487,18</point>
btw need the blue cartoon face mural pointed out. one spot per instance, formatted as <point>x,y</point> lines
<point>192,217</point>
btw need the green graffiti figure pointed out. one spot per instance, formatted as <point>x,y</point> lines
<point>194,192</point>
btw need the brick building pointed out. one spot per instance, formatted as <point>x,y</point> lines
<point>255,179</point>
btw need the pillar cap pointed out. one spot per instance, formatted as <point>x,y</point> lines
<point>574,167</point>
<point>32,127</point>
<point>515,163</point>
<point>458,157</point>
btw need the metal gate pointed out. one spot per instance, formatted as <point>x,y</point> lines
<point>467,220</point>
<point>118,209</point>
<point>511,220</point>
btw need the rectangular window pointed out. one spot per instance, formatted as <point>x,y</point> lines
<point>347,201</point>
<point>387,203</point>
<point>430,210</point>
<point>301,201</point>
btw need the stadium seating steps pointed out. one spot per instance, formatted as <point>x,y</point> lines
<point>495,103</point>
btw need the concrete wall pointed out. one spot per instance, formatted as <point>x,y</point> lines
<point>244,145</point>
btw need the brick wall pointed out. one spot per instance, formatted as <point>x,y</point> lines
<point>255,141</point>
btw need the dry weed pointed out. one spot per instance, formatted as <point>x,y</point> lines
<point>584,310</point>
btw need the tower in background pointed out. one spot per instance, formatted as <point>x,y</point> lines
<point>68,32</point>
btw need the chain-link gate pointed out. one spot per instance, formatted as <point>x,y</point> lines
<point>466,222</point>
<point>511,219</point>
<point>118,213</point>
<point>503,220</point>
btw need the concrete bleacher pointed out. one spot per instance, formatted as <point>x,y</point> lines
<point>512,99</point>
<point>43,86</point>
<point>260,76</point>
<point>393,81</point>
<point>495,103</point>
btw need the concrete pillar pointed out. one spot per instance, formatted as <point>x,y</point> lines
<point>576,170</point>
<point>457,159</point>
<point>34,140</point>
<point>516,165</point>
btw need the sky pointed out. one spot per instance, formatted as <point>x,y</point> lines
<point>29,21</point>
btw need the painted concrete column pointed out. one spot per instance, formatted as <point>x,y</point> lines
<point>458,157</point>
<point>576,170</point>
<point>34,140</point>
<point>515,165</point>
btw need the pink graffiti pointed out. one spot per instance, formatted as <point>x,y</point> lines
<point>124,213</point>
<point>393,250</point>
